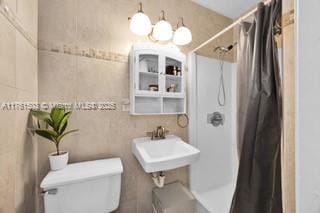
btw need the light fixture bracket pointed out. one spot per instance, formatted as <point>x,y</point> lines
<point>162,16</point>
<point>140,10</point>
<point>180,21</point>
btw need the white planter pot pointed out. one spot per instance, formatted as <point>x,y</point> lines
<point>58,162</point>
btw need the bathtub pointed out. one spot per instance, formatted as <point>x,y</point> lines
<point>216,200</point>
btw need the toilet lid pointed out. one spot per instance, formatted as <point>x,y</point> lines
<point>78,172</point>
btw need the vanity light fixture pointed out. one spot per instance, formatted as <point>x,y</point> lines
<point>140,24</point>
<point>162,31</point>
<point>182,35</point>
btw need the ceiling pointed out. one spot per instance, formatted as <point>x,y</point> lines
<point>230,8</point>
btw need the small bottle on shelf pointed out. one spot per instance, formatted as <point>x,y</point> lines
<point>174,70</point>
<point>178,72</point>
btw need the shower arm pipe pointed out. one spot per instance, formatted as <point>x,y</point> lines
<point>235,23</point>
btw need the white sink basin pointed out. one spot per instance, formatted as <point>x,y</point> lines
<point>163,154</point>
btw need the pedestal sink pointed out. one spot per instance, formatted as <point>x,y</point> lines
<point>163,154</point>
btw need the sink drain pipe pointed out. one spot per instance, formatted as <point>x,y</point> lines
<point>158,179</point>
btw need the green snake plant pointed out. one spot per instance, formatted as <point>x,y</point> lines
<point>56,123</point>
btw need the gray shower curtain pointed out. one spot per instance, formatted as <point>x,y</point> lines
<point>258,188</point>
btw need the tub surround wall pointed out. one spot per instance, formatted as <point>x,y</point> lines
<point>18,82</point>
<point>211,183</point>
<point>83,56</point>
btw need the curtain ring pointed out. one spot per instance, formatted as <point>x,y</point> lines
<point>179,123</point>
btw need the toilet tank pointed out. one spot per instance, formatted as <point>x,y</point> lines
<point>86,187</point>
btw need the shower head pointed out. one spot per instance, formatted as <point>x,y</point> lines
<point>225,49</point>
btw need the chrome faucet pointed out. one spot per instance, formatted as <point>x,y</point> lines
<point>159,133</point>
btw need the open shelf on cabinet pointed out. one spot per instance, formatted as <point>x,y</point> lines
<point>150,105</point>
<point>173,105</point>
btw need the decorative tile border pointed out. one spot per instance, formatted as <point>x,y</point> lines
<point>82,51</point>
<point>288,18</point>
<point>11,17</point>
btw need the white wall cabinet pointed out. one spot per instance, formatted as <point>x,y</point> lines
<point>157,80</point>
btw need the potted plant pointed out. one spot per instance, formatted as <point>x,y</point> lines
<point>55,125</point>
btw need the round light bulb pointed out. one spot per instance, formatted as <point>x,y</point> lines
<point>182,36</point>
<point>162,31</point>
<point>140,24</point>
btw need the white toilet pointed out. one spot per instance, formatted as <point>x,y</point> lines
<point>86,187</point>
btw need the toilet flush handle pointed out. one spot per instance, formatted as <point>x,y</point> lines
<point>49,192</point>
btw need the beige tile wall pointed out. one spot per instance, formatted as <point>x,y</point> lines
<point>18,82</point>
<point>71,22</point>
<point>288,168</point>
<point>103,25</point>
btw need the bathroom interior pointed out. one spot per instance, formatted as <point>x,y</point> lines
<point>161,106</point>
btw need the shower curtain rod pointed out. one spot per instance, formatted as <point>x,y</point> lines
<point>238,21</point>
